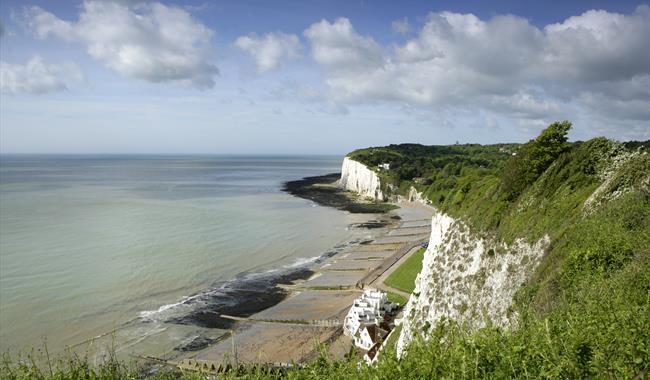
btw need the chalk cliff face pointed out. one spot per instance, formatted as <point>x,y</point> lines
<point>413,195</point>
<point>356,177</point>
<point>466,278</point>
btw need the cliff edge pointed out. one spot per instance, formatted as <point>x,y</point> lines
<point>357,177</point>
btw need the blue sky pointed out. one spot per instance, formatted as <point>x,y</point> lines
<point>316,76</point>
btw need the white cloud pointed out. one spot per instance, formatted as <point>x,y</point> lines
<point>622,109</point>
<point>597,63</point>
<point>271,49</point>
<point>37,77</point>
<point>338,46</point>
<point>151,42</point>
<point>524,105</point>
<point>599,45</point>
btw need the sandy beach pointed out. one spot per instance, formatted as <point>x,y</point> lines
<point>311,316</point>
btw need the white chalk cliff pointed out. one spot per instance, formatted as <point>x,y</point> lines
<point>356,177</point>
<point>466,278</point>
<point>413,195</point>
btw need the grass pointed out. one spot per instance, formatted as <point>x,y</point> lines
<point>396,298</point>
<point>391,344</point>
<point>403,278</point>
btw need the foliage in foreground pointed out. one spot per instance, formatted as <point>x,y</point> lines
<point>603,330</point>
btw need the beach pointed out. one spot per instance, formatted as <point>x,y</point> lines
<point>310,317</point>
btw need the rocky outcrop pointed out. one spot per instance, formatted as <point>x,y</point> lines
<point>357,177</point>
<point>413,195</point>
<point>466,278</point>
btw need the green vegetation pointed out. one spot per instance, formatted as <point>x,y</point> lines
<point>396,298</point>
<point>593,200</point>
<point>391,344</point>
<point>403,278</point>
<point>433,167</point>
<point>584,313</point>
<point>534,158</point>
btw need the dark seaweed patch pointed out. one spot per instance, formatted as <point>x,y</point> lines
<point>242,297</point>
<point>323,191</point>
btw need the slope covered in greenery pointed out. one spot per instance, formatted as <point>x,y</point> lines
<point>585,312</point>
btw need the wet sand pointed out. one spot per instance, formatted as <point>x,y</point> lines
<point>323,305</point>
<point>311,315</point>
<point>267,343</point>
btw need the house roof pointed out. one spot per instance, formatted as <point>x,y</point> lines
<point>372,352</point>
<point>376,333</point>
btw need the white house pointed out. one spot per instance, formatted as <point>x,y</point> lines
<point>384,166</point>
<point>361,314</point>
<point>367,311</point>
<point>368,336</point>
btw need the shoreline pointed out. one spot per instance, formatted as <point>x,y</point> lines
<point>228,306</point>
<point>311,312</point>
<point>324,191</point>
<point>279,315</point>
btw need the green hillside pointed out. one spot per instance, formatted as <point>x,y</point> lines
<point>585,312</point>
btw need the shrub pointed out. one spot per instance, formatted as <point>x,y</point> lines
<point>534,158</point>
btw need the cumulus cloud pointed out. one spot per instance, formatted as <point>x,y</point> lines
<point>37,77</point>
<point>594,63</point>
<point>338,46</point>
<point>151,41</point>
<point>271,49</point>
<point>599,45</point>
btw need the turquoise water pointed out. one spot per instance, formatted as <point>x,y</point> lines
<point>117,245</point>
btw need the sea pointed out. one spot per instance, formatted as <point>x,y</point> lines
<point>141,254</point>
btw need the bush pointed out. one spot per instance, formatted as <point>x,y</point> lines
<point>534,158</point>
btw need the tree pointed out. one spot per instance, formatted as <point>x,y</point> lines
<point>548,146</point>
<point>534,158</point>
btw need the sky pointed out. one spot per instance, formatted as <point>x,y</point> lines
<point>316,77</point>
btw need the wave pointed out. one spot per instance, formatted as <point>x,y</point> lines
<point>242,296</point>
<point>150,315</point>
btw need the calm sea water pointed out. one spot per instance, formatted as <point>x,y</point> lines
<point>117,246</point>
